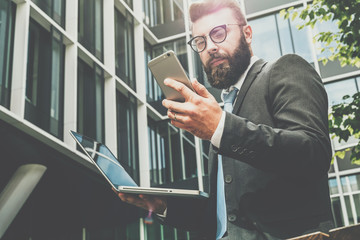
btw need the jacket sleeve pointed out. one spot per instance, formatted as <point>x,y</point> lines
<point>298,142</point>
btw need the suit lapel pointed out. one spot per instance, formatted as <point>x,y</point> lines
<point>253,72</point>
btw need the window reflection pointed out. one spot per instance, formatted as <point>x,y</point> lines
<point>124,48</point>
<point>336,90</point>
<point>351,188</point>
<point>153,91</point>
<point>172,156</point>
<point>127,134</point>
<point>161,157</point>
<point>90,116</point>
<point>349,210</point>
<point>274,37</point>
<point>265,41</point>
<point>344,185</point>
<point>45,80</point>
<point>357,206</point>
<point>333,186</point>
<point>90,26</point>
<point>157,12</point>
<point>7,23</point>
<point>325,26</point>
<point>337,213</point>
<point>54,8</point>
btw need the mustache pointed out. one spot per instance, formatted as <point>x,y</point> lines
<point>215,56</point>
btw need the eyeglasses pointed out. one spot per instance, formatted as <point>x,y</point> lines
<point>218,35</point>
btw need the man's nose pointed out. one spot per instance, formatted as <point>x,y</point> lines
<point>211,46</point>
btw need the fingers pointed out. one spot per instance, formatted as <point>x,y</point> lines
<point>200,89</point>
<point>150,203</point>
<point>174,106</point>
<point>135,200</point>
<point>180,87</point>
<point>176,116</point>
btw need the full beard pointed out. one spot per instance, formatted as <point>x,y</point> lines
<point>225,75</point>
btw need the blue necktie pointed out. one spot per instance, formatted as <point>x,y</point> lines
<point>221,204</point>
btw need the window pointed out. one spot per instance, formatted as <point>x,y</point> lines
<point>172,156</point>
<point>337,212</point>
<point>159,155</point>
<point>349,210</point>
<point>127,134</point>
<point>45,79</point>
<point>336,90</point>
<point>153,90</point>
<point>351,189</point>
<point>54,8</point>
<point>129,3</point>
<point>253,6</point>
<point>157,12</point>
<point>90,25</point>
<point>274,37</point>
<point>189,154</point>
<point>7,22</point>
<point>345,163</point>
<point>90,116</point>
<point>178,46</point>
<point>124,48</point>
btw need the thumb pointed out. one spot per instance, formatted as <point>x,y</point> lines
<point>200,89</point>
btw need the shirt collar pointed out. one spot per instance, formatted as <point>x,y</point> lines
<point>240,82</point>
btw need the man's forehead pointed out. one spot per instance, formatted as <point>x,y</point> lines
<point>203,25</point>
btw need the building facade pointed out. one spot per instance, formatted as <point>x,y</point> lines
<point>82,65</point>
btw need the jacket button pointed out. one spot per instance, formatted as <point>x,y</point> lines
<point>234,148</point>
<point>232,217</point>
<point>228,178</point>
<point>242,151</point>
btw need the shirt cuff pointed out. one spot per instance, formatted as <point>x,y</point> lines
<point>216,137</point>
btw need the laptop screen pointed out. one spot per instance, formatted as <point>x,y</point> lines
<point>106,161</point>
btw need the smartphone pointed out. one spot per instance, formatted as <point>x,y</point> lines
<point>167,65</point>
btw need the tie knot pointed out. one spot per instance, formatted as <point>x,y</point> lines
<point>229,99</point>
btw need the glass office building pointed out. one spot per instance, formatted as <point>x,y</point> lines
<point>82,65</point>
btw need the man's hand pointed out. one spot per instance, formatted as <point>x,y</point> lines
<point>147,202</point>
<point>200,114</point>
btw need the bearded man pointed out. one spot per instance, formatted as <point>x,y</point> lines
<point>270,149</point>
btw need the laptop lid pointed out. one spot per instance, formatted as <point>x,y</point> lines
<point>116,175</point>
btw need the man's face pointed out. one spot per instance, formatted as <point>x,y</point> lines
<point>223,62</point>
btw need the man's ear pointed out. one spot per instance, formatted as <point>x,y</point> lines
<point>248,34</point>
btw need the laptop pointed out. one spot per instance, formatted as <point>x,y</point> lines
<point>116,175</point>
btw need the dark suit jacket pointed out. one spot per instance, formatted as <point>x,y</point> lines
<point>276,155</point>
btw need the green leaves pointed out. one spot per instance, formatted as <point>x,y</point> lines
<point>347,16</point>
<point>344,121</point>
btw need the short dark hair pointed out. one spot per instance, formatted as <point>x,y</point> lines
<point>205,7</point>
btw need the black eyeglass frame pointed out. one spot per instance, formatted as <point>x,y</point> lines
<point>223,26</point>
